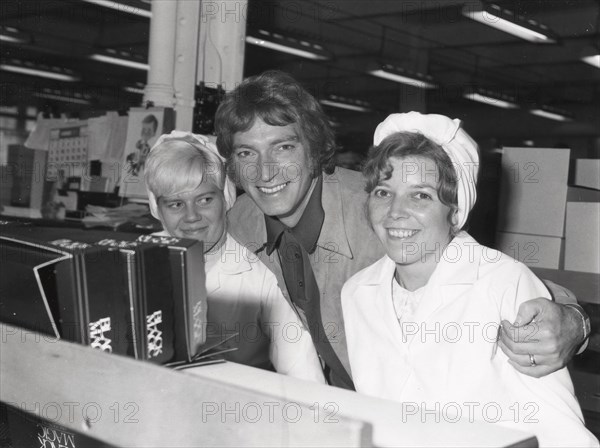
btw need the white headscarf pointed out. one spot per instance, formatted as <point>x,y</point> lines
<point>204,144</point>
<point>460,147</point>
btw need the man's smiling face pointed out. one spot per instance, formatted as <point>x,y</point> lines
<point>273,165</point>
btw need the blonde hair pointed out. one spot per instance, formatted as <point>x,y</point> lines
<point>182,164</point>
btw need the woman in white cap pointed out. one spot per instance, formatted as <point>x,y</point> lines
<point>190,193</point>
<point>422,322</point>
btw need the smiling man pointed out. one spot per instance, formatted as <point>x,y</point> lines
<point>272,166</point>
<point>306,221</point>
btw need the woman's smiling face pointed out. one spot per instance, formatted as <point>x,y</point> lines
<point>406,213</point>
<point>197,214</point>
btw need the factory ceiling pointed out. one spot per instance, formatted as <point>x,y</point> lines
<point>440,42</point>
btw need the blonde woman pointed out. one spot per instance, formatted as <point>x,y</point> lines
<point>190,194</point>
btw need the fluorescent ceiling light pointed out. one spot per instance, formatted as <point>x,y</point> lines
<point>344,105</point>
<point>11,39</point>
<point>37,72</point>
<point>134,90</point>
<point>549,115</point>
<point>66,99</point>
<point>490,101</point>
<point>491,15</point>
<point>119,61</point>
<point>403,79</point>
<point>401,75</point>
<point>509,27</point>
<point>121,7</point>
<point>297,47</point>
<point>283,48</point>
<point>593,60</point>
<point>12,35</point>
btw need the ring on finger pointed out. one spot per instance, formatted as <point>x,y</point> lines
<point>532,360</point>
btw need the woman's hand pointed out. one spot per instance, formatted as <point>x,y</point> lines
<point>543,338</point>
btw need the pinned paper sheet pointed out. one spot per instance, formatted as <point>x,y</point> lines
<point>107,136</point>
<point>39,138</point>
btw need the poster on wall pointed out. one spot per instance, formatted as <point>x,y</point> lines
<point>144,127</point>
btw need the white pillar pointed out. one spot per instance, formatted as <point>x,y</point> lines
<point>186,54</point>
<point>222,42</point>
<point>161,54</point>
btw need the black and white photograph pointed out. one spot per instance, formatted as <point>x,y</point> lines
<point>299,223</point>
<point>144,127</point>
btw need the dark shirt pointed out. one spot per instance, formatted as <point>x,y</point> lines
<point>294,246</point>
<point>303,235</point>
<point>292,243</point>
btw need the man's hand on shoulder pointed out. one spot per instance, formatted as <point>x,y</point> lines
<point>543,338</point>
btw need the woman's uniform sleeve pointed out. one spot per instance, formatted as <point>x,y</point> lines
<point>548,404</point>
<point>292,351</point>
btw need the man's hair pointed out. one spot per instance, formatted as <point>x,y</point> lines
<point>180,165</point>
<point>407,144</point>
<point>151,119</point>
<point>278,100</point>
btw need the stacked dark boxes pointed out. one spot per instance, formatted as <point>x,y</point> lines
<point>151,290</point>
<point>141,296</point>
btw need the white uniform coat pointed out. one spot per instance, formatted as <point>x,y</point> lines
<point>243,295</point>
<point>445,359</point>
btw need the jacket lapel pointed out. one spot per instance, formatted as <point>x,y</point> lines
<point>333,234</point>
<point>379,289</point>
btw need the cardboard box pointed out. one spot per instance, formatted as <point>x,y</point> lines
<point>533,191</point>
<point>582,240</point>
<point>533,250</point>
<point>189,291</point>
<point>578,194</point>
<point>587,173</point>
<point>80,286</point>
